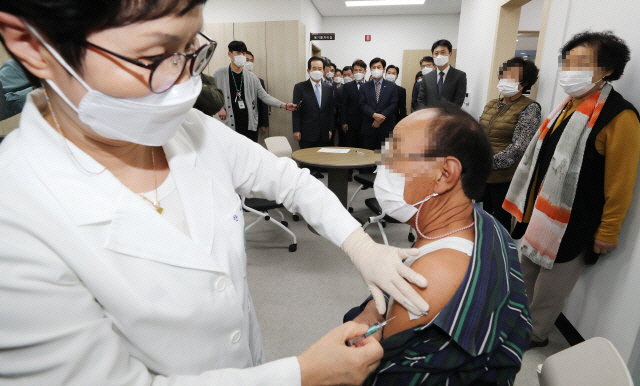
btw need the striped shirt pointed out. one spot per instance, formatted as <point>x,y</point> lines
<point>479,337</point>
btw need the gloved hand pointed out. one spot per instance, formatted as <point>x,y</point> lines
<point>381,268</point>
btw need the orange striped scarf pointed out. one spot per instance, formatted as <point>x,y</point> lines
<point>552,208</point>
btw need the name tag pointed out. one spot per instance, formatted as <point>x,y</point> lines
<point>241,105</point>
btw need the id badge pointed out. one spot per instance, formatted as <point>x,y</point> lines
<point>241,105</point>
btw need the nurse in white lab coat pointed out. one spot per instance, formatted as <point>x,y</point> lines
<point>96,286</point>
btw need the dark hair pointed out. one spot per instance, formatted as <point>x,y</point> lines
<point>529,75</point>
<point>361,63</point>
<point>338,71</point>
<point>237,46</point>
<point>331,64</point>
<point>347,68</point>
<point>418,75</point>
<point>396,67</point>
<point>612,52</point>
<point>444,43</point>
<point>457,134</point>
<point>314,59</point>
<point>66,24</point>
<point>428,59</point>
<point>378,60</point>
<point>250,53</point>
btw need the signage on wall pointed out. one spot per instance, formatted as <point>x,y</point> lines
<point>367,38</point>
<point>331,36</point>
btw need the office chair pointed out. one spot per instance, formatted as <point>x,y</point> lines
<point>381,219</point>
<point>280,147</point>
<point>366,181</point>
<point>595,362</point>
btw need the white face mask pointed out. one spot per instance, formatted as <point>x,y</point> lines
<point>151,120</point>
<point>330,75</point>
<point>359,76</point>
<point>347,79</point>
<point>426,70</point>
<point>377,74</point>
<point>508,87</point>
<point>249,66</point>
<point>441,60</point>
<point>240,60</point>
<point>316,75</point>
<point>338,79</point>
<point>389,191</point>
<point>576,83</point>
<point>390,77</point>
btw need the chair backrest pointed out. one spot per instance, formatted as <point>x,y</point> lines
<point>593,362</point>
<point>279,146</point>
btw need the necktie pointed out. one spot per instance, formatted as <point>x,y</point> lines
<point>441,82</point>
<point>358,85</point>
<point>377,91</point>
<point>318,94</point>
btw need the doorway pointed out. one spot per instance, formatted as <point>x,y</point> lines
<point>509,34</point>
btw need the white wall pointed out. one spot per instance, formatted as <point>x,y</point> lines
<point>311,18</point>
<point>390,36</point>
<point>531,16</point>
<point>605,301</point>
<point>476,38</point>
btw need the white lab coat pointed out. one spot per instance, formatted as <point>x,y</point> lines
<point>97,288</point>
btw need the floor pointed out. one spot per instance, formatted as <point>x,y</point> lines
<point>300,296</point>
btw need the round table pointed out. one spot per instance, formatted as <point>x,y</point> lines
<point>338,165</point>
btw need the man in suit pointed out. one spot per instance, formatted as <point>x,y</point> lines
<point>329,73</point>
<point>393,72</point>
<point>337,96</point>
<point>263,109</point>
<point>444,84</point>
<point>426,66</point>
<point>350,115</point>
<point>379,104</point>
<point>313,121</point>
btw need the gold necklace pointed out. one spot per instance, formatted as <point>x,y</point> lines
<point>156,203</point>
<point>64,140</point>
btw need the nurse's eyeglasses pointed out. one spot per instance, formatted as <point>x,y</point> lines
<point>166,70</point>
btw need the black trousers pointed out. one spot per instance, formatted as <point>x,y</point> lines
<point>494,195</point>
<point>252,135</point>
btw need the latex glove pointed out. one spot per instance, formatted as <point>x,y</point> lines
<point>382,269</point>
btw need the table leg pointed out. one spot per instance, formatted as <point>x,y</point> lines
<point>338,184</point>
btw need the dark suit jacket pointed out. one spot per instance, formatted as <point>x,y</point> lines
<point>402,104</point>
<point>454,91</point>
<point>337,100</point>
<point>263,110</point>
<point>387,106</point>
<point>414,96</point>
<point>350,106</point>
<point>312,121</point>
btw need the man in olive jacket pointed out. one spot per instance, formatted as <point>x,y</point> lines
<point>211,99</point>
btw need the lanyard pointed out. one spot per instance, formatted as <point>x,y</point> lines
<point>238,92</point>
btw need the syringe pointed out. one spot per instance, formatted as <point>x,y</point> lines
<point>372,330</point>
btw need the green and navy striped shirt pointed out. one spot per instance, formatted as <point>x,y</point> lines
<point>480,335</point>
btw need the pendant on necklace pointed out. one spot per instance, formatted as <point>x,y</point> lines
<point>159,209</point>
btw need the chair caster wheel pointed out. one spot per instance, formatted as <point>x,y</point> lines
<point>286,224</point>
<point>296,217</point>
<point>267,218</point>
<point>350,210</point>
<point>411,237</point>
<point>293,247</point>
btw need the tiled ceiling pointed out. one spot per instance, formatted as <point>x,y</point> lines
<point>430,7</point>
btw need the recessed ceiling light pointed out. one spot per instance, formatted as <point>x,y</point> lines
<point>517,40</point>
<point>369,3</point>
<point>523,53</point>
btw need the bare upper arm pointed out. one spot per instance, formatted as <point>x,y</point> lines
<point>444,270</point>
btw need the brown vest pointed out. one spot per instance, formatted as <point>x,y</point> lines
<point>499,126</point>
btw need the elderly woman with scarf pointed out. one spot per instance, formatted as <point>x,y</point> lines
<point>574,185</point>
